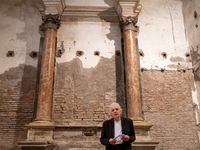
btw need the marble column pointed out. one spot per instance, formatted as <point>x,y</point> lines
<point>49,27</point>
<point>131,69</point>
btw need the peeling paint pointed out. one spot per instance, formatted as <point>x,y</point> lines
<point>107,41</point>
<point>162,30</point>
<point>19,31</point>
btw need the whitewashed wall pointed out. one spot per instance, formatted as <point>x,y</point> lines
<point>89,37</point>
<point>162,30</point>
<point>191,13</point>
<point>19,33</point>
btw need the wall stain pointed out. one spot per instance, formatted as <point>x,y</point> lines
<point>176,59</point>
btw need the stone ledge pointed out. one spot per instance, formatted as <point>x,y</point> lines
<point>32,144</point>
<point>78,126</point>
<point>141,125</point>
<point>142,145</point>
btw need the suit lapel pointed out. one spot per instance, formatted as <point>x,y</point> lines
<point>123,125</point>
<point>112,128</point>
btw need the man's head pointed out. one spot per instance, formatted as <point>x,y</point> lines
<point>115,111</point>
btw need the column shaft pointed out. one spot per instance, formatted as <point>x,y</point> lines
<point>46,76</point>
<point>131,72</point>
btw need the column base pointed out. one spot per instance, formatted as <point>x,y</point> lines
<point>144,145</point>
<point>39,135</point>
<point>143,138</point>
<point>40,131</point>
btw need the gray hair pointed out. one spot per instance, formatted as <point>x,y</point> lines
<point>115,104</point>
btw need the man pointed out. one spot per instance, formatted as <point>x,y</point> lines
<point>118,132</point>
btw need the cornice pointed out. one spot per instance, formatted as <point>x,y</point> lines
<point>121,8</point>
<point>89,11</point>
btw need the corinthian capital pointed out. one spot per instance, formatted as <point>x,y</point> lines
<point>50,21</point>
<point>129,23</point>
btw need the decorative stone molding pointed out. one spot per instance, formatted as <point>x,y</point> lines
<point>50,6</point>
<point>89,11</point>
<point>129,23</point>
<point>50,21</point>
<point>128,7</point>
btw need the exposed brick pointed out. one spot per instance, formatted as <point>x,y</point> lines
<point>167,105</point>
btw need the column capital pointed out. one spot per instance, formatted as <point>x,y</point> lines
<point>50,21</point>
<point>128,7</point>
<point>129,23</point>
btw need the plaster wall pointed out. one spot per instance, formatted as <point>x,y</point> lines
<point>104,3</point>
<point>191,11</point>
<point>162,31</point>
<point>19,33</point>
<point>89,37</point>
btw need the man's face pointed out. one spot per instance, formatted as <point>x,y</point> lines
<point>115,112</point>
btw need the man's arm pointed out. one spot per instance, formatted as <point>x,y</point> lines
<point>132,133</point>
<point>104,139</point>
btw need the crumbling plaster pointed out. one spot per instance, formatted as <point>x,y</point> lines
<point>162,30</point>
<point>191,13</point>
<point>19,32</point>
<point>89,37</point>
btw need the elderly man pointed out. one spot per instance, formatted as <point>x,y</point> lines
<point>118,132</point>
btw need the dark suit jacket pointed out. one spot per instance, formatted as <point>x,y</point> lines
<point>108,132</point>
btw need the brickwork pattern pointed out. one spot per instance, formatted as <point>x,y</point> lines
<point>17,105</point>
<point>15,112</point>
<point>167,105</point>
<point>83,95</point>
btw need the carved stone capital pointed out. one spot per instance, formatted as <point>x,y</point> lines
<point>129,23</point>
<point>50,21</point>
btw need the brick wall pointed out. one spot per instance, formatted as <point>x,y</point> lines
<point>17,92</point>
<point>82,94</point>
<point>167,105</point>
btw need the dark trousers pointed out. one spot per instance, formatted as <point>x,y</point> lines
<point>123,146</point>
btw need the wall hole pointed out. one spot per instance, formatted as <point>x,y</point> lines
<point>118,53</point>
<point>164,55</point>
<point>195,14</point>
<point>196,25</point>
<point>187,55</point>
<point>141,53</point>
<point>96,53</point>
<point>162,70</point>
<point>10,54</point>
<point>184,70</point>
<point>79,53</point>
<point>33,54</point>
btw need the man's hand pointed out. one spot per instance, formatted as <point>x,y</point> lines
<point>111,141</point>
<point>125,138</point>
